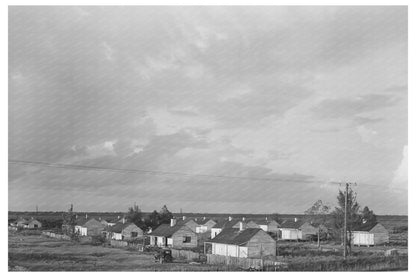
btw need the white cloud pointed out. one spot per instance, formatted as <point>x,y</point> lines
<point>400,179</point>
<point>367,135</point>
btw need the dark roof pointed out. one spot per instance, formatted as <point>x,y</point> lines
<point>226,223</point>
<point>119,227</point>
<point>82,221</point>
<point>235,236</point>
<point>291,224</point>
<point>165,230</point>
<point>366,227</point>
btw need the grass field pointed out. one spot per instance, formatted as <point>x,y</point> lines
<point>37,253</point>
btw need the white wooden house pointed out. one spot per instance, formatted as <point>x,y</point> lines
<point>248,243</point>
<point>370,235</point>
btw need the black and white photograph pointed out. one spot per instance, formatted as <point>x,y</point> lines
<point>207,138</point>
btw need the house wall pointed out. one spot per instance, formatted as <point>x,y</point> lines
<point>192,225</point>
<point>82,231</point>
<point>157,241</point>
<point>94,227</point>
<point>308,230</point>
<point>273,226</point>
<point>129,229</point>
<point>178,237</point>
<point>116,236</point>
<point>34,224</point>
<point>290,234</point>
<point>264,227</point>
<point>215,232</point>
<point>201,229</point>
<point>381,235</point>
<point>362,238</point>
<point>260,245</point>
<point>229,250</point>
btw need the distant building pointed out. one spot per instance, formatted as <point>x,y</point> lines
<point>28,223</point>
<point>34,224</point>
<point>173,235</point>
<point>265,224</point>
<point>370,234</point>
<point>248,243</point>
<point>297,230</point>
<point>123,231</point>
<point>204,225</point>
<point>89,227</point>
<point>226,224</point>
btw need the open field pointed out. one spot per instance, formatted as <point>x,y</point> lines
<point>37,253</point>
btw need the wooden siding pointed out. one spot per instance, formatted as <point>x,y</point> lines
<point>94,227</point>
<point>290,234</point>
<point>260,245</point>
<point>178,238</point>
<point>381,235</point>
<point>127,232</point>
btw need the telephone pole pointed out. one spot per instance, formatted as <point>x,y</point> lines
<point>345,220</point>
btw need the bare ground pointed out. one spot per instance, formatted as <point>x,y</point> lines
<point>37,253</point>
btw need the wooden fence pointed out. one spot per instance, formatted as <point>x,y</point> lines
<point>57,236</point>
<point>185,254</point>
<point>240,262</point>
<point>118,243</point>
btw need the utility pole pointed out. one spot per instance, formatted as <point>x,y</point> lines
<point>345,220</point>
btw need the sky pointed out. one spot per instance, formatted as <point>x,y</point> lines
<point>291,100</point>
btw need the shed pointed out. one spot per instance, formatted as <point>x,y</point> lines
<point>34,224</point>
<point>297,230</point>
<point>370,234</point>
<point>248,243</point>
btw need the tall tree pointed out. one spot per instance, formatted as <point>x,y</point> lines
<point>69,221</point>
<point>165,215</point>
<point>318,215</point>
<point>134,215</point>
<point>353,214</point>
<point>153,220</point>
<point>368,216</point>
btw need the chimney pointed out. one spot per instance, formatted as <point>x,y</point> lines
<point>150,230</point>
<point>183,217</point>
<point>204,217</point>
<point>99,218</point>
<point>124,220</point>
<point>172,222</point>
<point>296,219</point>
<point>266,218</point>
<point>86,216</point>
<point>230,218</point>
<point>118,217</point>
<point>244,219</point>
<point>241,226</point>
<point>76,216</point>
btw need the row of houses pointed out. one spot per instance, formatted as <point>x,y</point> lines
<point>24,223</point>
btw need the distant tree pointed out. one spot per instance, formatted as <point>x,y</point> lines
<point>353,214</point>
<point>165,215</point>
<point>368,216</point>
<point>69,222</point>
<point>134,215</point>
<point>276,217</point>
<point>153,220</point>
<point>318,215</point>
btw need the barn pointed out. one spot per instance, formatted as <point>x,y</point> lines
<point>174,235</point>
<point>124,231</point>
<point>370,235</point>
<point>248,243</point>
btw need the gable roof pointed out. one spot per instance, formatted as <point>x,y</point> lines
<point>366,227</point>
<point>226,223</point>
<point>119,227</point>
<point>83,221</point>
<point>165,230</point>
<point>235,236</point>
<point>290,224</point>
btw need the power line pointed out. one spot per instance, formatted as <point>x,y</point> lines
<point>150,172</point>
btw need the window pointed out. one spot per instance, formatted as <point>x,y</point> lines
<point>134,234</point>
<point>186,239</point>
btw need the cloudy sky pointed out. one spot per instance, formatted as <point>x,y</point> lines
<point>290,99</point>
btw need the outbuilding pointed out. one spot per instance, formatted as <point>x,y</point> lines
<point>297,230</point>
<point>89,227</point>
